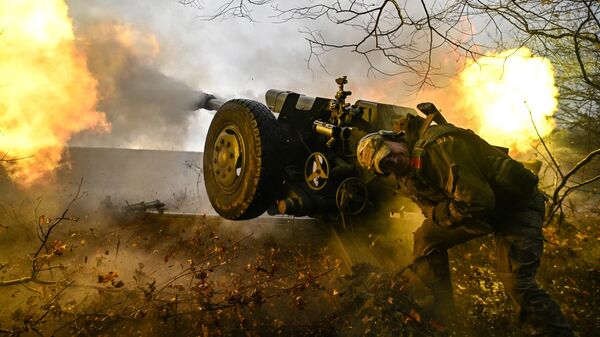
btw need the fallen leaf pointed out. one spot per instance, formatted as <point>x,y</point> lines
<point>58,247</point>
<point>110,276</point>
<point>415,315</point>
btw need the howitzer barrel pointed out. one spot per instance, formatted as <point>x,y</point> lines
<point>207,101</point>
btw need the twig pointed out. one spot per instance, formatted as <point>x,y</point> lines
<point>4,159</point>
<point>79,317</point>
<point>568,191</point>
<point>59,220</point>
<point>542,141</point>
<point>35,257</point>
<point>556,200</point>
<point>192,270</point>
<point>49,304</point>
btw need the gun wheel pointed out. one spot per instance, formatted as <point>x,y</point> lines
<point>351,196</point>
<point>242,165</point>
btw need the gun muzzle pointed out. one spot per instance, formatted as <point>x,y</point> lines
<point>207,101</point>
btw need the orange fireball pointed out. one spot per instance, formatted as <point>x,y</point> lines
<point>508,95</point>
<point>47,93</point>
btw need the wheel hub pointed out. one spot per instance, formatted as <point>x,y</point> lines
<point>316,171</point>
<point>228,160</point>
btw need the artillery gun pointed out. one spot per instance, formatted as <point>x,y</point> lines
<point>296,155</point>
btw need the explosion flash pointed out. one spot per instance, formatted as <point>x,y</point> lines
<point>47,93</point>
<point>507,94</point>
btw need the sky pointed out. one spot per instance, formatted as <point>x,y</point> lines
<point>148,78</point>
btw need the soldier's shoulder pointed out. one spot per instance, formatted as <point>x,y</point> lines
<point>442,133</point>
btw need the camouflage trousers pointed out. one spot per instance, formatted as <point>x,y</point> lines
<point>519,245</point>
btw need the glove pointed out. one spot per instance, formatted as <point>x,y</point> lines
<point>427,207</point>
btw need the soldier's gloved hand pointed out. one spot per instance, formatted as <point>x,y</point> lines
<point>427,208</point>
<point>428,212</point>
<point>441,215</point>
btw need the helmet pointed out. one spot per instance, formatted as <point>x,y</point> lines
<point>371,149</point>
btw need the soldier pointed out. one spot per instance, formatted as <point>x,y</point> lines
<point>467,188</point>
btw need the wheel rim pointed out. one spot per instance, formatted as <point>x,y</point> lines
<point>351,196</point>
<point>228,158</point>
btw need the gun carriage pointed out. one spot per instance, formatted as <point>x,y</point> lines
<point>296,155</point>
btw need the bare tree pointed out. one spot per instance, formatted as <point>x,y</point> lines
<point>407,34</point>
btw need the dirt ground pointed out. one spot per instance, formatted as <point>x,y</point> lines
<point>94,269</point>
<point>145,274</point>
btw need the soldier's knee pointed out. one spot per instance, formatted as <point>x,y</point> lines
<point>433,266</point>
<point>419,243</point>
<point>424,241</point>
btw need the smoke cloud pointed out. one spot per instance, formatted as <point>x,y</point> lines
<point>229,58</point>
<point>147,109</point>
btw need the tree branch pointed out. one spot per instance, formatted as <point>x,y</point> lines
<point>36,267</point>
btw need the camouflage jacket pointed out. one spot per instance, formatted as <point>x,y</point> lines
<point>450,176</point>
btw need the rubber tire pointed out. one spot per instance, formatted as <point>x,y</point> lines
<point>263,172</point>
